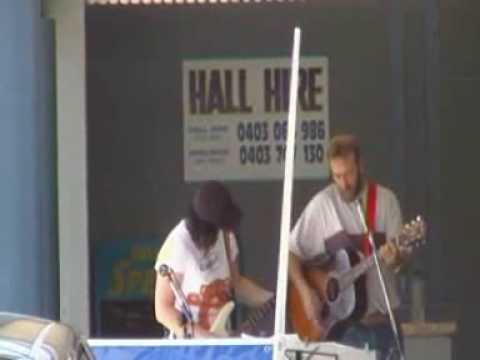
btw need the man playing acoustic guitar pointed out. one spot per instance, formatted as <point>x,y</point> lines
<point>331,223</point>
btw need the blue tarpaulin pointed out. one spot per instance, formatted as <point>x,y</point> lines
<point>185,351</point>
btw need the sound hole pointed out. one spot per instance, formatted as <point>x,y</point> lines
<point>332,289</point>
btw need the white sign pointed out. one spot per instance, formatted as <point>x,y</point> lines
<point>235,118</point>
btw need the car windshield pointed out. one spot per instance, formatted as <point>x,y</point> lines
<point>21,328</point>
<point>21,335</point>
<point>14,349</point>
<point>10,349</point>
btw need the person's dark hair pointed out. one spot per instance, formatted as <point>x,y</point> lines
<point>212,209</point>
<point>342,146</point>
<point>203,233</point>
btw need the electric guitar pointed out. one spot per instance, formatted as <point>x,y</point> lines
<point>335,286</point>
<point>219,326</point>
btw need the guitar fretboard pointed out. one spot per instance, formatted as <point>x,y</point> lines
<point>404,240</point>
<point>349,277</point>
<point>249,324</point>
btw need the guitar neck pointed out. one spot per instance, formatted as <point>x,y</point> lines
<point>417,231</point>
<point>348,278</point>
<point>250,323</point>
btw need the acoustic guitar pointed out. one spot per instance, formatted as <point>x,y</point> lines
<point>335,286</point>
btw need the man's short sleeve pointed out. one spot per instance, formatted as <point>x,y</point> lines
<point>317,223</point>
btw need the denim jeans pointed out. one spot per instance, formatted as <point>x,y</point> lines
<point>379,338</point>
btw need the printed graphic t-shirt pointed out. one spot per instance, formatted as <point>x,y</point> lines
<point>206,275</point>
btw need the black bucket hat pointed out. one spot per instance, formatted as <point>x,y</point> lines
<point>213,203</point>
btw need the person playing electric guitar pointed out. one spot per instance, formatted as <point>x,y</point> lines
<point>201,255</point>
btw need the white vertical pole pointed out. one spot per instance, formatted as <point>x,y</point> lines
<point>280,309</point>
<point>69,16</point>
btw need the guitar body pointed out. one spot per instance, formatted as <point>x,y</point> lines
<point>219,326</point>
<point>338,304</point>
<point>342,287</point>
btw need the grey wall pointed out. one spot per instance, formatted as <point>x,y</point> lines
<point>28,255</point>
<point>136,186</point>
<point>459,114</point>
<point>134,105</point>
<point>402,76</point>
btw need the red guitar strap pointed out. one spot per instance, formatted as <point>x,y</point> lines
<point>370,216</point>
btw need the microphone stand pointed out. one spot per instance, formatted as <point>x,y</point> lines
<point>393,324</point>
<point>187,316</point>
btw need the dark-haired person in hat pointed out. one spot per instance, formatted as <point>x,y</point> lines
<point>202,253</point>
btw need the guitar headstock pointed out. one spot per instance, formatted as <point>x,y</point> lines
<point>412,235</point>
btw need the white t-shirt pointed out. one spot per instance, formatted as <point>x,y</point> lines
<point>327,214</point>
<point>206,276</point>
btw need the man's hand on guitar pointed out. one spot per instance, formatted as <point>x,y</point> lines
<point>393,256</point>
<point>390,254</point>
<point>411,236</point>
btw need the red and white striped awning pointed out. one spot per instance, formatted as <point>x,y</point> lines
<point>183,2</point>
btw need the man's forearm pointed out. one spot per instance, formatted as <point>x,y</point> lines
<point>344,240</point>
<point>341,240</point>
<point>295,273</point>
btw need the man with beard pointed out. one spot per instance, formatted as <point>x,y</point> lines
<point>331,222</point>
